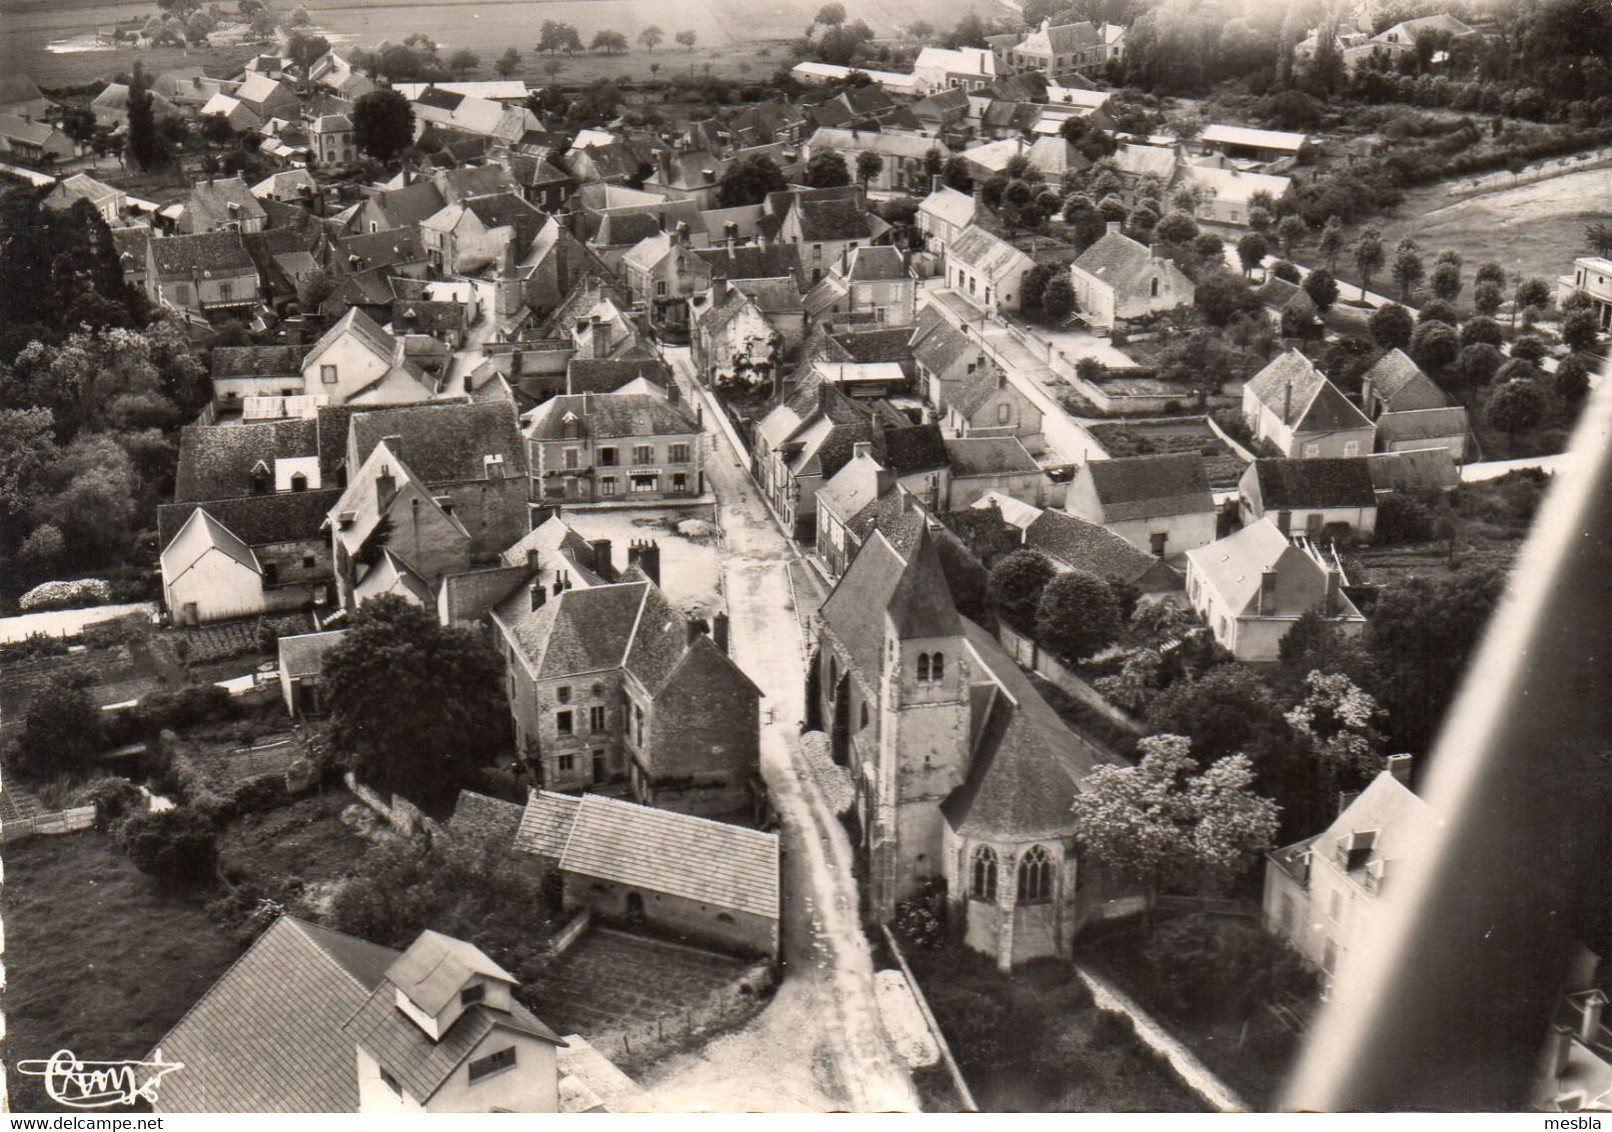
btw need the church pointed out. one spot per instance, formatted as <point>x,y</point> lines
<point>963,772</point>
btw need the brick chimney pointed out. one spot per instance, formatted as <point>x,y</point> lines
<point>645,554</point>
<point>719,631</point>
<point>1400,767</point>
<point>602,565</point>
<point>385,487</point>
<point>719,290</point>
<point>538,594</point>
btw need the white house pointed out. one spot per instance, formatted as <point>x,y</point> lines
<point>358,362</point>
<point>1118,279</point>
<point>987,270</point>
<point>1294,408</point>
<point>943,216</point>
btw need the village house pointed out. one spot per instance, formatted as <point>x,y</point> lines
<point>734,261</point>
<point>1291,406</point>
<point>207,275</point>
<point>223,204</point>
<point>586,448</point>
<point>746,329</point>
<point>712,883</point>
<point>1322,894</point>
<point>867,282</point>
<point>904,157</point>
<point>1075,544</point>
<point>1250,588</point>
<point>1316,497</point>
<point>687,175</point>
<point>111,107</point>
<point>331,140</point>
<point>470,235</point>
<point>1067,47</point>
<point>107,201</point>
<point>985,403</point>
<point>1243,143</point>
<point>243,557</point>
<point>1410,410</point>
<point>943,358</point>
<point>434,1028</point>
<point>660,276</point>
<point>986,465</point>
<point>288,186</point>
<point>268,97</point>
<point>337,77</point>
<point>301,663</point>
<point>963,773</point>
<point>232,110</point>
<point>406,206</point>
<point>943,216</point>
<point>241,372</point>
<point>1118,280</point>
<point>611,683</point>
<point>1159,504</point>
<point>21,97</point>
<point>971,68</point>
<point>1226,193</point>
<point>1592,277</point>
<point>987,270</point>
<point>822,224</point>
<point>357,362</point>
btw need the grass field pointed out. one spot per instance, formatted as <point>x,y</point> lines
<point>98,961</point>
<point>731,34</point>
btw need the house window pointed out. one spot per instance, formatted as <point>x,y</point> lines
<point>677,454</point>
<point>1335,906</point>
<point>643,453</point>
<point>607,457</point>
<point>864,717</point>
<point>679,482</point>
<point>1158,539</point>
<point>984,886</point>
<point>596,718</point>
<point>571,459</point>
<point>563,694</point>
<point>327,374</point>
<point>562,722</point>
<point>271,573</point>
<point>308,562</point>
<point>472,994</point>
<point>1035,875</point>
<point>1351,448</point>
<point>1004,413</point>
<point>567,763</point>
<point>817,253</point>
<point>391,1082</point>
<point>607,486</point>
<point>1311,451</point>
<point>1329,957</point>
<point>644,484</point>
<point>660,287</point>
<point>1153,288</point>
<point>492,1063</point>
<point>638,714</point>
<point>600,772</point>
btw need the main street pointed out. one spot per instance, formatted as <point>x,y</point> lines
<point>818,1045</point>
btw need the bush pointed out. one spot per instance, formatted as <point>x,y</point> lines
<point>1210,967</point>
<point>61,732</point>
<point>65,595</point>
<point>178,846</point>
<point>1404,517</point>
<point>113,798</point>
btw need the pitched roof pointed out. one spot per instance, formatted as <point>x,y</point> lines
<point>610,415</point>
<point>880,261</point>
<point>386,248</point>
<point>257,520</point>
<point>304,654</point>
<point>1139,487</point>
<point>989,456</point>
<point>949,205</point>
<point>915,448</point>
<point>580,630</point>
<point>434,968</point>
<point>244,1051</point>
<point>680,855</point>
<point>1233,566</point>
<point>217,536</point>
<point>1146,161</point>
<point>873,344</point>
<point>867,585</point>
<point>608,375</point>
<point>225,200</point>
<point>1087,546</point>
<point>1115,257</point>
<point>203,251</point>
<point>938,344</point>
<point>1401,384</point>
<point>1291,485</point>
<point>750,261</point>
<point>921,603</point>
<point>356,325</point>
<point>833,220</point>
<point>445,443</point>
<point>1287,386</point>
<point>975,389</point>
<point>546,823</point>
<point>1245,136</point>
<point>485,821</point>
<point>987,253</point>
<point>1422,424</point>
<point>1414,469</point>
<point>410,204</point>
<point>256,361</point>
<point>216,462</point>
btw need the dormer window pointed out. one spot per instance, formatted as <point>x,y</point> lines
<point>472,994</point>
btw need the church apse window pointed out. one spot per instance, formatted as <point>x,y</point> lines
<point>937,666</point>
<point>923,666</point>
<point>984,886</point>
<point>1035,875</point>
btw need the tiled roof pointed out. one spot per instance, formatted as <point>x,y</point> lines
<point>989,456</point>
<point>1233,567</point>
<point>1422,424</point>
<point>1291,485</point>
<point>876,262</point>
<point>580,630</point>
<point>304,654</point>
<point>208,207</point>
<point>916,448</point>
<point>693,858</point>
<point>218,537</point>
<point>433,969</point>
<point>986,253</point>
<point>949,205</point>
<point>1087,546</point>
<point>244,1051</point>
<point>833,220</point>
<point>1115,258</point>
<point>256,361</point>
<point>607,375</point>
<point>484,821</point>
<point>1146,161</point>
<point>546,823</point>
<point>974,390</point>
<point>472,594</point>
<point>418,316</point>
<point>611,415</point>
<point>1401,384</point>
<point>204,251</point>
<point>863,591</point>
<point>938,345</point>
<point>1139,487</point>
<point>750,261</point>
<point>216,462</point>
<point>410,204</point>
<point>1414,469</point>
<point>874,345</point>
<point>506,210</point>
<point>1270,385</point>
<point>285,516</point>
<point>772,296</point>
<point>379,249</point>
<point>357,325</point>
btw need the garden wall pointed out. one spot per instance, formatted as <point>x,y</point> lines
<point>400,813</point>
<point>63,821</point>
<point>1027,654</point>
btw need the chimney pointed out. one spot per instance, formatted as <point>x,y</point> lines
<point>1334,592</point>
<point>1287,402</point>
<point>1592,1007</point>
<point>602,565</point>
<point>515,359</point>
<point>1113,227</point>
<point>862,450</point>
<point>730,232</point>
<point>599,338</point>
<point>1400,767</point>
<point>539,594</point>
<point>1267,593</point>
<point>1365,397</point>
<point>719,290</point>
<point>719,631</point>
<point>385,487</point>
<point>1284,522</point>
<point>533,566</point>
<point>935,182</point>
<point>682,233</point>
<point>664,160</point>
<point>645,554</point>
<point>494,466</point>
<point>674,393</point>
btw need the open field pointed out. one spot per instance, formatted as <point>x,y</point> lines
<point>98,960</point>
<point>731,34</point>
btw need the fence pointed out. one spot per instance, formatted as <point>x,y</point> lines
<point>950,1062</point>
<point>732,1005</point>
<point>63,821</point>
<point>575,930</point>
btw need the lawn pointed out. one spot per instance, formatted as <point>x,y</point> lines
<point>1486,523</point>
<point>98,959</point>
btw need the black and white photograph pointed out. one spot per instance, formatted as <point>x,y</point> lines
<point>783,556</point>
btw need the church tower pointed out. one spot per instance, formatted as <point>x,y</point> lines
<point>923,727</point>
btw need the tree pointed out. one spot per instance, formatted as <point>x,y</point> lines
<point>1322,289</point>
<point>1487,298</point>
<point>216,130</point>
<point>1530,348</point>
<point>1477,364</point>
<point>1437,310</point>
<point>868,166</point>
<point>1531,293</point>
<point>463,61</point>
<point>1160,824</point>
<point>1252,250</point>
<point>651,37</point>
<point>830,15</point>
<point>1227,709</point>
<point>921,30</point>
<point>1391,326</point>
<point>1368,257</point>
<point>1446,281</point>
<point>1289,231</point>
<point>1580,329</point>
<point>1176,227</point>
<point>1434,345</point>
<point>146,148</point>
<point>826,170</point>
<point>610,42</point>
<point>1015,587</point>
<point>1077,616</point>
<point>1330,244</point>
<point>686,39</point>
<point>556,35</point>
<point>61,731</point>
<point>1517,407</point>
<point>1340,723</point>
<point>1222,970</point>
<point>178,846</point>
<point>305,50</point>
<point>1285,271</point>
<point>748,181</point>
<point>508,63</point>
<point>417,706</point>
<point>1033,288</point>
<point>27,454</point>
<point>1222,295</point>
<point>1490,272</point>
<point>1572,379</point>
<point>383,124</point>
<point>1408,271</point>
<point>1058,300</point>
<point>1261,220</point>
<point>1599,237</point>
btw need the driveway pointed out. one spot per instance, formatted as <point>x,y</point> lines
<point>818,1046</point>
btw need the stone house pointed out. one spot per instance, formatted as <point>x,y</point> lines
<point>222,204</point>
<point>944,215</point>
<point>301,663</point>
<point>470,235</point>
<point>1075,544</point>
<point>241,557</point>
<point>987,270</point>
<point>749,327</point>
<point>331,140</point>
<point>207,275</point>
<point>1118,279</point>
<point>1160,504</point>
<point>1291,406</point>
<point>1311,496</point>
<point>872,283</point>
<point>358,362</point>
<point>986,465</point>
<point>590,447</point>
<point>984,403</point>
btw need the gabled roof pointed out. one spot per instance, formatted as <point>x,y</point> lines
<point>223,252</point>
<point>1244,136</point>
<point>989,456</point>
<point>949,206</point>
<point>1232,186</point>
<point>936,343</point>
<point>1087,546</point>
<point>693,858</point>
<point>257,520</point>
<point>1385,824</point>
<point>1146,161</point>
<point>1233,567</point>
<point>1422,424</point>
<point>216,462</point>
<point>1293,485</point>
<point>304,654</point>
<point>1301,396</point>
<point>215,536</point>
<point>875,262</point>
<point>410,204</point>
<point>834,220</point>
<point>222,1039</point>
<point>486,822</point>
<point>610,415</point>
<point>1401,384</point>
<point>357,326</point>
<point>388,248</point>
<point>434,968</point>
<point>1115,258</point>
<point>1138,487</point>
<point>255,361</point>
<point>546,823</point>
<point>974,390</point>
<point>446,443</point>
<point>987,253</point>
<point>750,261</point>
<point>1414,469</point>
<point>225,200</point>
<point>578,631</point>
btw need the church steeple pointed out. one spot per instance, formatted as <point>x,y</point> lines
<point>921,605</point>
